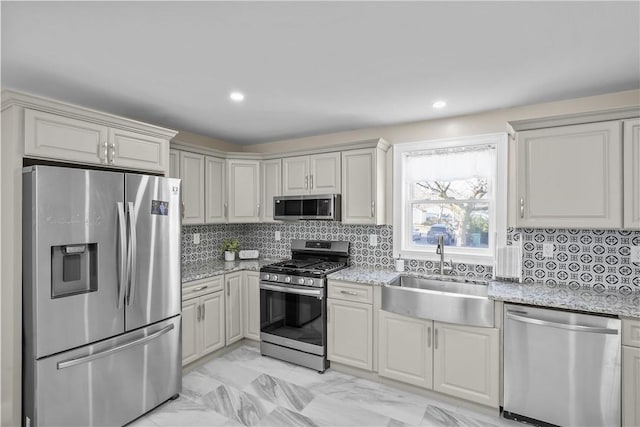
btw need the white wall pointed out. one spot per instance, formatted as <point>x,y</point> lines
<point>475,124</point>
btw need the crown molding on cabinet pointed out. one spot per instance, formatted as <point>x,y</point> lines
<point>12,98</point>
<point>369,143</point>
<point>619,113</point>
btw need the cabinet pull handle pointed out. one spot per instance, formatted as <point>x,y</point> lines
<point>182,213</point>
<point>349,293</point>
<point>435,341</point>
<point>226,210</point>
<point>105,152</point>
<point>204,311</point>
<point>258,209</point>
<point>521,207</point>
<point>306,182</point>
<point>200,288</point>
<point>429,337</point>
<point>373,208</point>
<point>311,181</point>
<point>112,146</point>
<point>198,314</point>
<point>228,289</point>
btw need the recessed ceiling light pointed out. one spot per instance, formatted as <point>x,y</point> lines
<point>236,96</point>
<point>439,104</point>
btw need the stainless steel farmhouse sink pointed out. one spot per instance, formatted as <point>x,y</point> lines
<point>439,299</point>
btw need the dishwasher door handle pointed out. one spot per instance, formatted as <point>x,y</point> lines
<point>577,328</point>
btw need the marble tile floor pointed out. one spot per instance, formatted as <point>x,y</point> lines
<point>243,388</point>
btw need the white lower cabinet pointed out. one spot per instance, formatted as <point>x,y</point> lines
<point>466,362</point>
<point>405,352</point>
<point>349,333</point>
<point>252,304</point>
<point>630,386</point>
<point>461,361</point>
<point>233,306</point>
<point>202,319</point>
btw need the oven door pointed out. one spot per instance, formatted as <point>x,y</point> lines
<point>293,316</point>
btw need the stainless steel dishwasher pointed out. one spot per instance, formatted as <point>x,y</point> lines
<point>561,367</point>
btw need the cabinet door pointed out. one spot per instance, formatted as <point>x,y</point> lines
<point>405,352</point>
<point>191,334</point>
<point>632,174</point>
<point>570,176</point>
<point>295,176</point>
<point>233,307</point>
<point>57,137</point>
<point>630,386</point>
<point>466,362</point>
<point>252,304</point>
<point>214,187</point>
<point>243,178</point>
<point>174,163</point>
<point>271,187</point>
<point>350,333</point>
<point>324,173</point>
<point>212,322</point>
<point>192,175</point>
<point>359,186</point>
<point>133,150</point>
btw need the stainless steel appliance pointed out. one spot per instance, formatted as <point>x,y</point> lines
<point>561,367</point>
<point>293,309</point>
<point>101,295</point>
<point>322,207</point>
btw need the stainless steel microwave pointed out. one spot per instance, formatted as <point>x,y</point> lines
<point>292,208</point>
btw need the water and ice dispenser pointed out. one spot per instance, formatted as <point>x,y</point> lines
<point>74,269</point>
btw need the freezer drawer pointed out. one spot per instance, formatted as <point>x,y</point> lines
<point>561,367</point>
<point>109,383</point>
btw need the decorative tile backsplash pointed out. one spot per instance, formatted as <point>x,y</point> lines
<point>598,259</point>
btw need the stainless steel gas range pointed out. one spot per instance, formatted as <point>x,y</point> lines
<point>293,307</point>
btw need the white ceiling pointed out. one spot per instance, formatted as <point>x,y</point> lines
<point>315,67</point>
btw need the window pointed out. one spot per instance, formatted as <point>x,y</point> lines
<point>454,190</point>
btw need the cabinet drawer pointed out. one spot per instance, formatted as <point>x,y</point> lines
<point>350,292</point>
<point>631,332</point>
<point>201,287</point>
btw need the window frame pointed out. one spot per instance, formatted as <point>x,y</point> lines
<point>403,246</point>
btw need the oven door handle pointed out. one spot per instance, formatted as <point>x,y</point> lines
<point>290,290</point>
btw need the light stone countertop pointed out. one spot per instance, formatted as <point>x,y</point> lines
<point>215,267</point>
<point>583,299</point>
<point>365,275</point>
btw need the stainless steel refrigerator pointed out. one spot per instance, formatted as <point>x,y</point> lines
<point>101,295</point>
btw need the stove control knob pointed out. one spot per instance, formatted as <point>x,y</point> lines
<point>309,282</point>
<point>287,279</point>
<point>274,277</point>
<point>267,277</point>
<point>301,281</point>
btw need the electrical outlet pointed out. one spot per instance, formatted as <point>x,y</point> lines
<point>635,254</point>
<point>276,235</point>
<point>547,250</point>
<point>373,240</point>
<point>196,238</point>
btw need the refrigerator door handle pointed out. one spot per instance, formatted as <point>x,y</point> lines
<point>84,359</point>
<point>122,256</point>
<point>132,253</point>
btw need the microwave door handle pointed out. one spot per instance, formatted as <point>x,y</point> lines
<point>132,253</point>
<point>123,255</point>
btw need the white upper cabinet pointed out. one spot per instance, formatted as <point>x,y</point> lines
<point>58,131</point>
<point>363,181</point>
<point>174,163</point>
<point>632,174</point>
<point>316,174</point>
<point>271,178</point>
<point>192,175</point>
<point>243,183</point>
<point>570,176</point>
<point>214,190</point>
